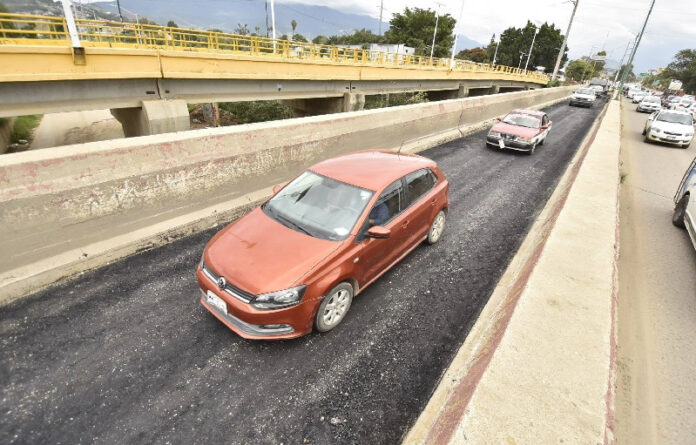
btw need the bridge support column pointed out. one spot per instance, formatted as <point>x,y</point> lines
<point>495,89</point>
<point>448,94</point>
<point>154,117</point>
<point>327,105</point>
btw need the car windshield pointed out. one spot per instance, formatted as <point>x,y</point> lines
<point>523,120</point>
<point>675,118</point>
<point>652,99</point>
<point>318,206</point>
<point>585,91</point>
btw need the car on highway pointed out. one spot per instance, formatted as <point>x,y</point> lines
<point>295,263</point>
<point>671,127</point>
<point>685,203</point>
<point>633,91</point>
<point>583,97</point>
<point>682,104</point>
<point>520,130</point>
<point>649,104</point>
<point>638,96</point>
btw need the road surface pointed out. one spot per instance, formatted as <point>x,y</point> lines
<point>126,354</point>
<point>657,296</point>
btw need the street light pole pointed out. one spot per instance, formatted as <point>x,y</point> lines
<point>635,48</point>
<point>118,4</point>
<point>70,21</point>
<point>495,54</point>
<point>437,18</point>
<point>522,54</point>
<point>456,35</point>
<point>529,56</point>
<point>273,29</point>
<point>565,41</point>
<point>381,10</point>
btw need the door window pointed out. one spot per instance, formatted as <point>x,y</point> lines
<point>389,204</point>
<point>419,183</point>
<point>545,120</point>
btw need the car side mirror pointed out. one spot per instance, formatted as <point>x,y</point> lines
<point>277,188</point>
<point>652,117</point>
<point>378,232</point>
<point>545,127</point>
<point>499,119</point>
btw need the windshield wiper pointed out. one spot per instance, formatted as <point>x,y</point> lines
<point>293,225</point>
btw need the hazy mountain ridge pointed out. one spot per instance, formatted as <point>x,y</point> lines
<point>225,15</point>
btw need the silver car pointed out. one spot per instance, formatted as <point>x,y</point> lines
<point>685,203</point>
<point>649,104</point>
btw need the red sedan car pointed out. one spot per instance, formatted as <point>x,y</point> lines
<point>297,261</point>
<point>520,130</point>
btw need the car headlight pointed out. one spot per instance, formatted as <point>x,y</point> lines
<point>494,134</point>
<point>279,299</point>
<point>656,130</point>
<point>521,139</point>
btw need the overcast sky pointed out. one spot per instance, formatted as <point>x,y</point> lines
<point>672,25</point>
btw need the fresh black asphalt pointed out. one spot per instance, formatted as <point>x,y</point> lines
<point>126,354</point>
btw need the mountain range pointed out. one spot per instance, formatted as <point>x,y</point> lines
<point>225,15</point>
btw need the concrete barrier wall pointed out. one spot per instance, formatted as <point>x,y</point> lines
<point>74,183</point>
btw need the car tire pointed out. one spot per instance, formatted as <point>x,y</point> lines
<point>531,150</point>
<point>645,139</point>
<point>680,212</point>
<point>334,307</point>
<point>541,142</point>
<point>643,133</point>
<point>437,227</point>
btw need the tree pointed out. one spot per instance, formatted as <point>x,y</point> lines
<point>359,37</point>
<point>515,41</point>
<point>479,55</point>
<point>490,49</point>
<point>320,40</point>
<point>414,27</point>
<point>624,68</point>
<point>293,24</point>
<point>577,70</point>
<point>242,30</point>
<point>683,68</point>
<point>172,24</point>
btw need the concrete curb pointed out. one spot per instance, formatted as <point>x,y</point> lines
<point>449,416</point>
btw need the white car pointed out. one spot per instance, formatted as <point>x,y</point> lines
<point>632,92</point>
<point>637,97</point>
<point>584,97</point>
<point>685,203</point>
<point>682,104</point>
<point>671,127</point>
<point>649,104</point>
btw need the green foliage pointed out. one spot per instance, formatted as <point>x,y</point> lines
<point>359,37</point>
<point>578,70</point>
<point>515,41</point>
<point>479,55</point>
<point>24,127</point>
<point>414,27</point>
<point>394,100</point>
<point>257,111</point>
<point>320,40</point>
<point>631,75</point>
<point>172,24</point>
<point>683,68</point>
<point>242,29</point>
<point>3,10</point>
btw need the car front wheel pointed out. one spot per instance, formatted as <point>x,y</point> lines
<point>437,227</point>
<point>334,307</point>
<point>680,212</point>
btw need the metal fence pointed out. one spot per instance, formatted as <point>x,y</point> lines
<point>24,29</point>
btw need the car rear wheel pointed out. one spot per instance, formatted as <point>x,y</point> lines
<point>334,307</point>
<point>680,212</point>
<point>437,227</point>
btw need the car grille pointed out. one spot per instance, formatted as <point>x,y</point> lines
<point>673,134</point>
<point>232,290</point>
<point>508,137</point>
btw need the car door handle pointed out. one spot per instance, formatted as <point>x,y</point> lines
<point>405,224</point>
<point>433,202</point>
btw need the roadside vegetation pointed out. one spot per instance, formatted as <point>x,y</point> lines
<point>257,111</point>
<point>394,100</point>
<point>24,127</point>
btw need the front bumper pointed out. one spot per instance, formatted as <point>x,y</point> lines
<point>647,109</point>
<point>251,323</point>
<point>510,144</point>
<point>581,103</point>
<point>664,139</point>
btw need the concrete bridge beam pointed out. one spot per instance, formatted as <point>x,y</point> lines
<point>327,105</point>
<point>153,117</point>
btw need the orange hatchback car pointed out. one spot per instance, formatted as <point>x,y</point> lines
<point>297,261</point>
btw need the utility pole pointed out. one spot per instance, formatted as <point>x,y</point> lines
<point>381,10</point>
<point>118,4</point>
<point>495,54</point>
<point>522,54</point>
<point>437,19</point>
<point>635,48</point>
<point>456,35</point>
<point>565,41</point>
<point>589,59</point>
<point>529,56</point>
<point>70,20</point>
<point>273,29</point>
<point>266,8</point>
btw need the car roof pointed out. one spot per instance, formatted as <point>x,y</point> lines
<point>372,170</point>
<point>530,112</point>
<point>676,112</point>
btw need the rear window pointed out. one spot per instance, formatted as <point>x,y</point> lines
<point>419,183</point>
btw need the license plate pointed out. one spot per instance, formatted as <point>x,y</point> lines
<point>216,301</point>
<point>501,144</point>
<point>671,138</point>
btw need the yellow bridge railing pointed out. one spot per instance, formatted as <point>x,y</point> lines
<point>24,29</point>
